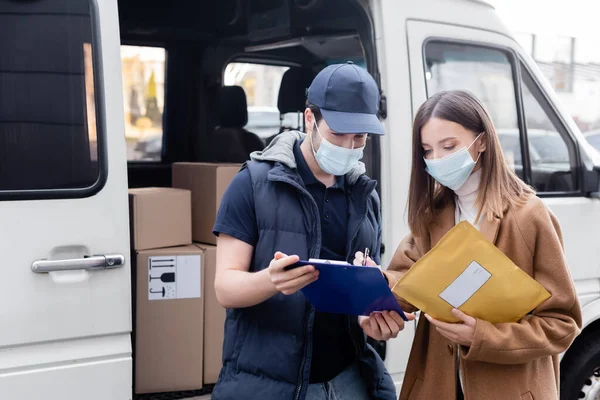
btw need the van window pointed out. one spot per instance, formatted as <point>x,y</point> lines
<point>551,151</point>
<point>485,72</point>
<point>49,128</point>
<point>261,84</point>
<point>488,73</point>
<point>144,101</point>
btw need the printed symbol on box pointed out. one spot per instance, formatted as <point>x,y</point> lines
<point>167,277</point>
<point>159,262</point>
<point>466,285</point>
<point>169,291</point>
<point>160,291</point>
<point>174,277</point>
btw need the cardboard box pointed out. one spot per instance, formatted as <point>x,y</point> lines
<point>207,182</point>
<point>169,319</point>
<point>214,318</point>
<point>160,217</point>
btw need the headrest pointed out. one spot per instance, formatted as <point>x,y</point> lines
<point>292,92</point>
<point>233,110</point>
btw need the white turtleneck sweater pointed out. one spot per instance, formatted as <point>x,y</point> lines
<point>465,198</point>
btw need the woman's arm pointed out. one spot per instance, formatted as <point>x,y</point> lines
<point>405,256</point>
<point>553,325</point>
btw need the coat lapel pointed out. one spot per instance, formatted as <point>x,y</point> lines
<point>489,228</point>
<point>443,223</point>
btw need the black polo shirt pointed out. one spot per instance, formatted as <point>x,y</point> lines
<point>333,349</point>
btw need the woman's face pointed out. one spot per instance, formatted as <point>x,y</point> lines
<point>441,138</point>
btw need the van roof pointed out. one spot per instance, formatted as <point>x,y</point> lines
<point>484,2</point>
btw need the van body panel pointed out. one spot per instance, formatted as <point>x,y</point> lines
<point>67,334</point>
<point>401,63</point>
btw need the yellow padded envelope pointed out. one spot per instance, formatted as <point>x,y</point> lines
<point>465,271</point>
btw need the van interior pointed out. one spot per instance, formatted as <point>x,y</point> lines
<point>51,121</point>
<point>204,120</point>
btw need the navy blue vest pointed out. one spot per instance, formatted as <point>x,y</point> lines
<point>267,348</point>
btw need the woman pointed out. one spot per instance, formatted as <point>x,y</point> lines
<point>459,173</point>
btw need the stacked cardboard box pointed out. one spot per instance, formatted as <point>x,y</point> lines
<point>178,333</point>
<point>169,300</point>
<point>207,183</point>
<point>214,318</point>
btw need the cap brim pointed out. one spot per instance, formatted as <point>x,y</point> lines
<point>345,122</point>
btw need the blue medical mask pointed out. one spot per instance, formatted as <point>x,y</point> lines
<point>335,160</point>
<point>453,170</point>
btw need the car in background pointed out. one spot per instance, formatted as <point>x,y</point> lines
<point>549,156</point>
<point>593,138</point>
<point>265,121</point>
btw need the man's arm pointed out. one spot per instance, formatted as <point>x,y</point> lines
<point>238,288</point>
<point>235,226</point>
<point>236,229</point>
<point>234,285</point>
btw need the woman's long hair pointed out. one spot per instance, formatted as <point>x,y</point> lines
<point>499,187</point>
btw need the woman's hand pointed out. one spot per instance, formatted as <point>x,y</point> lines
<point>459,333</point>
<point>383,326</point>
<point>359,257</point>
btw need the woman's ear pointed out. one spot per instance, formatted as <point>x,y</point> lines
<point>482,143</point>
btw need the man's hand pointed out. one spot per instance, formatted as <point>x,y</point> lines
<point>459,333</point>
<point>289,282</point>
<point>383,326</point>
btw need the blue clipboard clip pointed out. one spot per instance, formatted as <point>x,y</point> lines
<point>343,288</point>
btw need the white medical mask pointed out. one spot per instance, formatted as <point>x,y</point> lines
<point>335,160</point>
<point>453,170</point>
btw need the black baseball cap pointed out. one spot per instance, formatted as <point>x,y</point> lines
<point>348,98</point>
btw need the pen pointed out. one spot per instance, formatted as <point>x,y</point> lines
<point>364,263</point>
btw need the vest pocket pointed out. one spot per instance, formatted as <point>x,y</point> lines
<point>527,396</point>
<point>415,391</point>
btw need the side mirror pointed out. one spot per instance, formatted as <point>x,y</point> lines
<point>592,180</point>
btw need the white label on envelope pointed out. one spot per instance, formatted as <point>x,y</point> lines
<point>465,286</point>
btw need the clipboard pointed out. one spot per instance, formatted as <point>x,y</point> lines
<point>344,288</point>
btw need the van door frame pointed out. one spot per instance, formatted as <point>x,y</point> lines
<point>517,61</point>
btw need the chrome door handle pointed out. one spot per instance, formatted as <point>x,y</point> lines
<point>92,263</point>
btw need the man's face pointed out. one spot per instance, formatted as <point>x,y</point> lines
<point>345,140</point>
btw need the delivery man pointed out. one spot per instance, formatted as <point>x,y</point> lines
<point>305,196</point>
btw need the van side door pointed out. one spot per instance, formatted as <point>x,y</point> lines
<point>66,293</point>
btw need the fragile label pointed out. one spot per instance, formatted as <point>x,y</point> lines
<point>466,285</point>
<point>174,277</point>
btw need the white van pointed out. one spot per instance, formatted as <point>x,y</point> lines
<point>66,311</point>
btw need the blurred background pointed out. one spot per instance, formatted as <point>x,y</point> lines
<point>563,37</point>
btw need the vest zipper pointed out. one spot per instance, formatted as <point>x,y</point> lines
<point>355,233</point>
<point>304,355</point>
<point>305,192</point>
<point>317,249</point>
